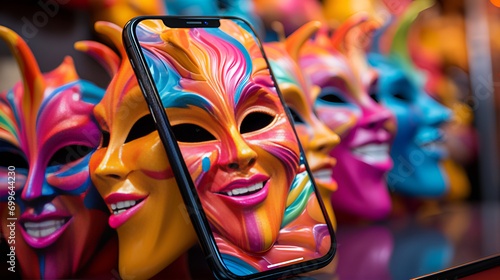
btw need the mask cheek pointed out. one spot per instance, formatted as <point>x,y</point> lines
<point>203,161</point>
<point>75,179</point>
<point>96,159</point>
<point>5,179</point>
<point>407,122</point>
<point>304,133</point>
<point>152,161</point>
<point>341,121</point>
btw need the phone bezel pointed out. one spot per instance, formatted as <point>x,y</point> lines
<point>183,178</point>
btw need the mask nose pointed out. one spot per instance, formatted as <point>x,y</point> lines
<point>111,167</point>
<point>375,118</point>
<point>240,157</point>
<point>36,186</point>
<point>323,139</point>
<point>434,113</point>
<point>39,203</point>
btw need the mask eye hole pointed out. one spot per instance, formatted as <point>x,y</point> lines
<point>332,98</point>
<point>401,96</point>
<point>373,91</point>
<point>13,159</point>
<point>141,128</point>
<point>105,138</point>
<point>296,117</point>
<point>331,95</point>
<point>255,121</point>
<point>374,96</point>
<point>69,154</point>
<point>191,133</point>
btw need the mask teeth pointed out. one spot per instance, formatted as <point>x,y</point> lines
<point>122,206</point>
<point>373,153</point>
<point>323,175</point>
<point>43,229</point>
<point>247,190</point>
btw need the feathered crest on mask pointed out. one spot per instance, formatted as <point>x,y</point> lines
<point>352,39</point>
<point>399,49</point>
<point>21,105</point>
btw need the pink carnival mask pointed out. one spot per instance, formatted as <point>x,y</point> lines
<point>348,104</point>
<point>47,133</point>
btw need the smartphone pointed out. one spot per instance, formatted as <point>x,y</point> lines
<point>231,144</point>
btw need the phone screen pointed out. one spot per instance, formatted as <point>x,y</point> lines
<point>237,142</point>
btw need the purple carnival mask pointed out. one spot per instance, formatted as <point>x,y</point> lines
<point>47,133</point>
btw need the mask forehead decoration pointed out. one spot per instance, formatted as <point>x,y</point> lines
<point>299,94</point>
<point>47,132</point>
<point>348,104</point>
<point>46,113</point>
<point>338,10</point>
<point>123,94</point>
<point>418,149</point>
<point>274,11</point>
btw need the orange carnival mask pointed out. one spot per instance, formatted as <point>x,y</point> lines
<point>133,175</point>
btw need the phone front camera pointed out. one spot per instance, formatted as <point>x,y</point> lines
<point>206,22</point>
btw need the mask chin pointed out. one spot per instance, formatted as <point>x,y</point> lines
<point>424,180</point>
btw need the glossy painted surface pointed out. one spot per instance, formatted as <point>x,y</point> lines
<point>48,133</point>
<point>348,105</point>
<point>418,149</point>
<point>299,94</point>
<point>237,143</point>
<point>136,183</point>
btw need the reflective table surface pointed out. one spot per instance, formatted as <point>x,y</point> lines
<point>405,247</point>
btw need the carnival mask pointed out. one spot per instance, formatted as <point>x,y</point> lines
<point>131,171</point>
<point>418,149</point>
<point>348,105</point>
<point>48,133</point>
<point>299,94</point>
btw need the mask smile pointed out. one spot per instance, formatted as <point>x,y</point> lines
<point>42,230</point>
<point>246,192</point>
<point>430,140</point>
<point>323,175</point>
<point>322,171</point>
<point>373,153</point>
<point>123,206</point>
<point>434,148</point>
